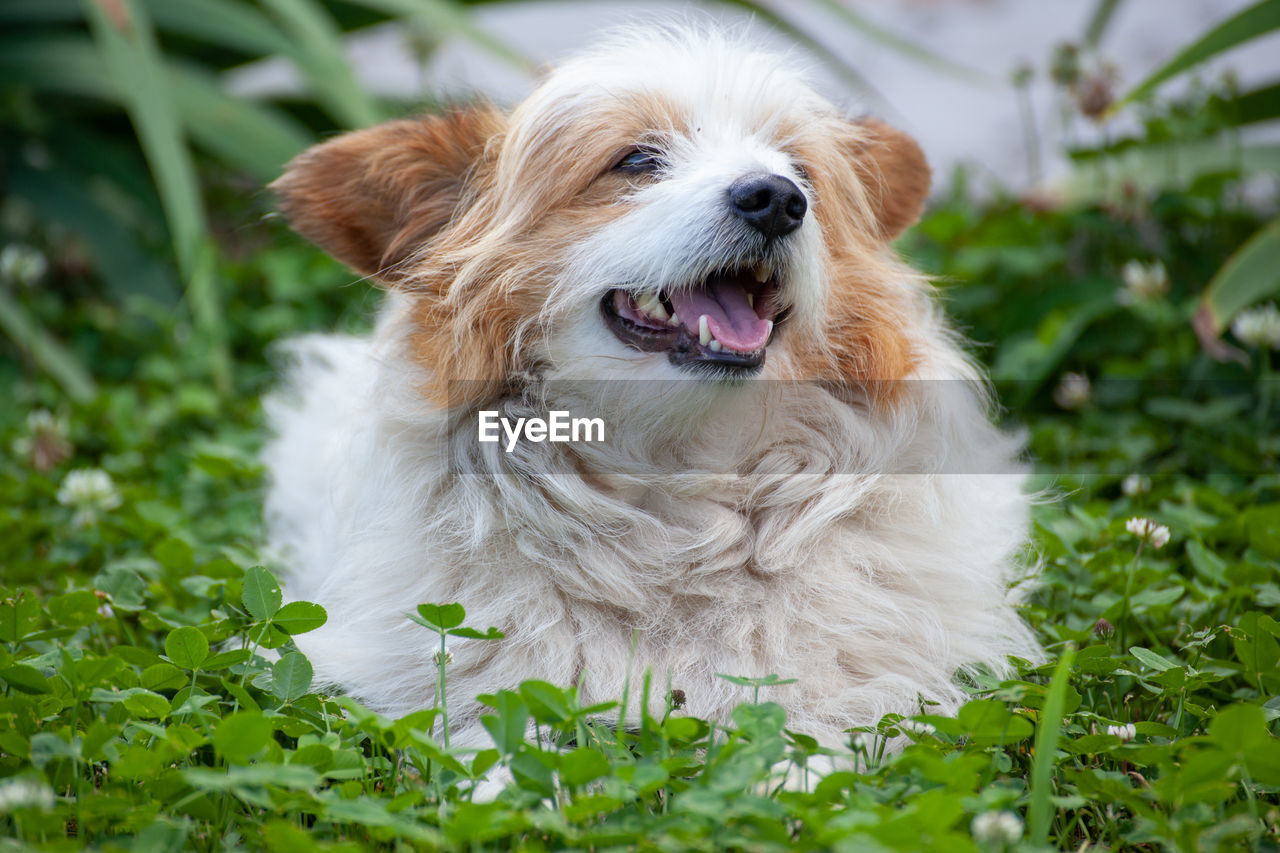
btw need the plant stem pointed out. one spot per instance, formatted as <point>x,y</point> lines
<point>1264,384</point>
<point>1128,587</point>
<point>440,686</point>
<point>1030,133</point>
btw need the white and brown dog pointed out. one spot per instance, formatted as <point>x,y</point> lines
<point>676,234</point>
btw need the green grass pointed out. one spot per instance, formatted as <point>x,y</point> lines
<point>137,713</point>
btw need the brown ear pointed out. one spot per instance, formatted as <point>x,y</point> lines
<point>371,197</point>
<point>895,173</point>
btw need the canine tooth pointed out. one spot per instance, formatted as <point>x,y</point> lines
<point>763,272</point>
<point>675,319</point>
<point>770,332</point>
<point>653,306</point>
<point>751,300</point>
<point>704,331</point>
<point>715,345</point>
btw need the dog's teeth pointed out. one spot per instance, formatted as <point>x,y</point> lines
<point>675,319</point>
<point>764,272</point>
<point>704,331</point>
<point>655,309</point>
<point>751,300</point>
<point>715,345</point>
<point>770,332</point>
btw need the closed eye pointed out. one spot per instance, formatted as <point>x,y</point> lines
<point>639,159</point>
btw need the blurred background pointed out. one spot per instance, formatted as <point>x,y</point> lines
<point>942,69</point>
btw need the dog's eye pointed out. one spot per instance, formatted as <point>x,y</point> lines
<point>639,160</point>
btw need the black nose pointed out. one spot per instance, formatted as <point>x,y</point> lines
<point>771,204</point>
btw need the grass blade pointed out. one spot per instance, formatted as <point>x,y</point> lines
<point>1103,14</point>
<point>229,24</point>
<point>1248,277</point>
<point>132,63</point>
<point>1257,20</point>
<point>243,134</point>
<point>447,18</point>
<point>321,59</point>
<point>1040,813</point>
<point>252,137</point>
<point>40,11</point>
<point>45,350</point>
<point>904,45</point>
<point>851,76</point>
<point>1257,105</point>
<point>71,65</point>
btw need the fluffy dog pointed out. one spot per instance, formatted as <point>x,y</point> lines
<point>798,476</point>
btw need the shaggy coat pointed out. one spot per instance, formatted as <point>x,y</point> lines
<point>843,514</point>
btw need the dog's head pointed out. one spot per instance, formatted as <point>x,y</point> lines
<point>674,203</point>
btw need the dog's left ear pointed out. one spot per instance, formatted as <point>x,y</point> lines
<point>371,197</point>
<point>894,173</point>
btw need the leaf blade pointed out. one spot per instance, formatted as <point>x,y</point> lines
<point>261,594</point>
<point>1257,20</point>
<point>187,647</point>
<point>1246,278</point>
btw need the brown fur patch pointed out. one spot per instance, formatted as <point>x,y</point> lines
<point>896,175</point>
<point>870,181</point>
<point>481,286</point>
<point>370,197</point>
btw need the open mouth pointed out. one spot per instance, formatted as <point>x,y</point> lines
<point>724,321</point>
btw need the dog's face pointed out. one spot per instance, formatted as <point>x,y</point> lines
<point>670,205</point>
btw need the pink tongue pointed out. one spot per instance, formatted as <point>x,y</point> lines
<point>730,317</point>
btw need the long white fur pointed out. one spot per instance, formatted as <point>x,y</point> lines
<point>748,529</point>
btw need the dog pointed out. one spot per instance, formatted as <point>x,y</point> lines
<point>676,235</point>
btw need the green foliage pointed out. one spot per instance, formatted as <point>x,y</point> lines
<point>130,191</point>
<point>1248,276</point>
<point>1256,21</point>
<point>1193,139</point>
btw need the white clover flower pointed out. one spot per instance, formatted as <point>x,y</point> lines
<point>1258,327</point>
<point>448,657</point>
<point>916,727</point>
<point>862,742</point>
<point>45,444</point>
<point>1135,484</point>
<point>89,491</point>
<point>1148,531</point>
<point>24,265</point>
<point>43,420</point>
<point>1125,732</point>
<point>1073,391</point>
<point>997,828</point>
<point>24,794</point>
<point>1143,282</point>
